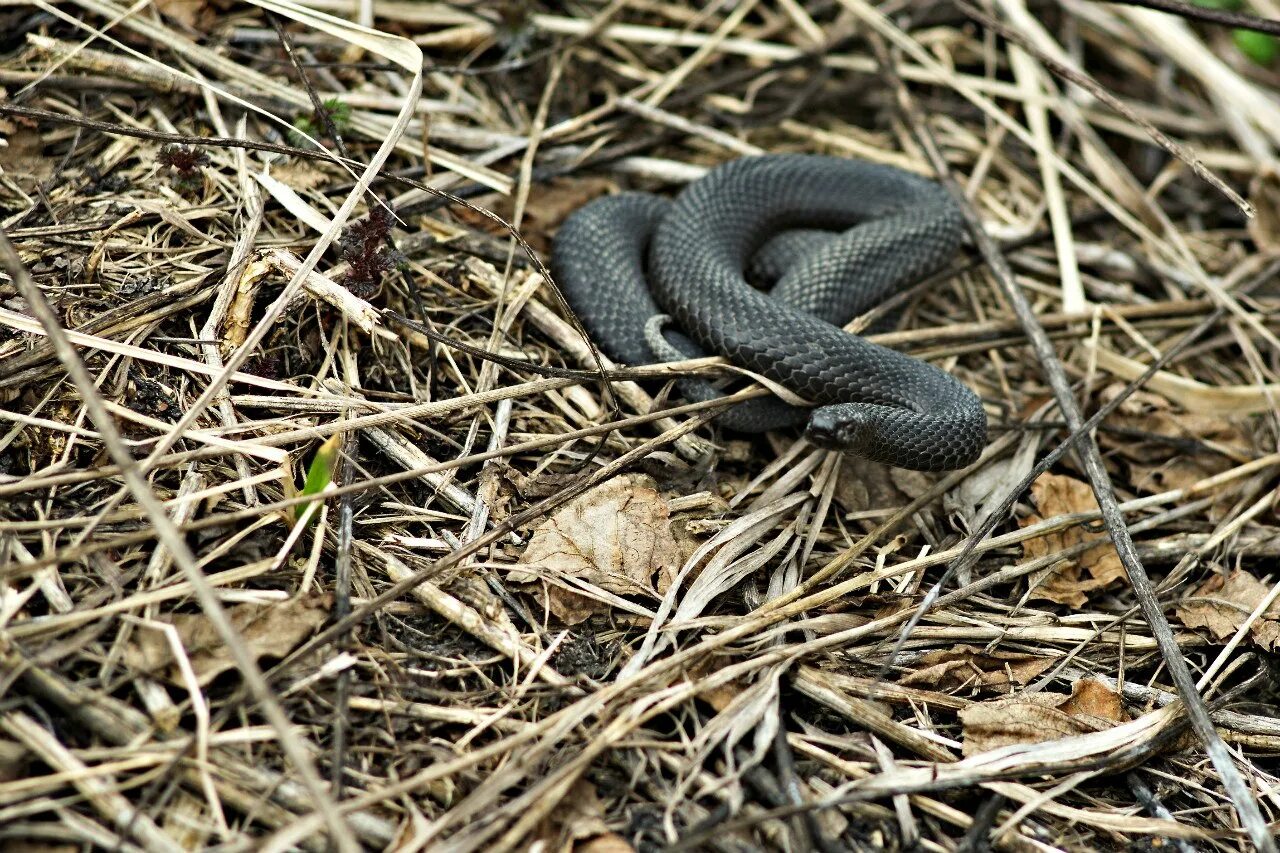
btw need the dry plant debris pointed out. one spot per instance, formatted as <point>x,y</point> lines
<point>524,613</point>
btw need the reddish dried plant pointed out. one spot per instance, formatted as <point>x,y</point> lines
<point>364,247</point>
<point>184,163</point>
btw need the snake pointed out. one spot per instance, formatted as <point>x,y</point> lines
<point>763,260</point>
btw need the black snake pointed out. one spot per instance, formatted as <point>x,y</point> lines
<point>833,238</point>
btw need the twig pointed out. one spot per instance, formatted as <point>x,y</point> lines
<point>1208,14</point>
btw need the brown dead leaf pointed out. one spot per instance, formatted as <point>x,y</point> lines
<point>968,667</point>
<point>300,175</point>
<point>1153,415</point>
<point>1178,473</point>
<point>239,316</point>
<point>1192,426</point>
<point>1040,717</point>
<point>549,204</point>
<point>1090,698</point>
<point>864,485</point>
<point>571,608</point>
<point>532,488</point>
<point>1221,607</point>
<point>22,152</point>
<point>198,15</point>
<point>269,630</point>
<point>577,824</point>
<point>610,842</point>
<point>616,536</point>
<point>1095,569</point>
<point>722,695</point>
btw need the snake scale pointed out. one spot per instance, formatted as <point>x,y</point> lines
<point>830,238</point>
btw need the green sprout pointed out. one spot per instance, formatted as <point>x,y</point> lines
<point>314,125</point>
<point>320,473</point>
<point>1258,47</point>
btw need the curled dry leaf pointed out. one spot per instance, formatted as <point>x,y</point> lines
<point>1222,605</point>
<point>1040,717</point>
<point>235,326</point>
<point>617,536</point>
<point>967,667</point>
<point>1075,578</point>
<point>269,630</point>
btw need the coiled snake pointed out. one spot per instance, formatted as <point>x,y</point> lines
<point>834,237</point>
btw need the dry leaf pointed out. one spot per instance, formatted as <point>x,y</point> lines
<point>570,608</point>
<point>913,484</point>
<point>1221,606</point>
<point>610,842</point>
<point>1040,717</point>
<point>22,153</point>
<point>616,536</point>
<point>579,817</point>
<point>1195,426</point>
<point>1178,473</point>
<point>863,485</point>
<point>1093,699</point>
<point>723,694</point>
<point>301,175</point>
<point>549,204</point>
<point>977,496</point>
<point>1074,579</point>
<point>239,316</point>
<point>967,667</point>
<point>269,630</point>
<point>1151,414</point>
<point>198,15</point>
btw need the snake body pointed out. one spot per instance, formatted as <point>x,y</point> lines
<point>834,238</point>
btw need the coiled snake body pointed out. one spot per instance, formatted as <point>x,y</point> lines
<point>835,238</point>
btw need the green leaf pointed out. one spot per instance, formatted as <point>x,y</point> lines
<point>1228,5</point>
<point>339,112</point>
<point>313,125</point>
<point>302,128</point>
<point>1259,47</point>
<point>320,474</point>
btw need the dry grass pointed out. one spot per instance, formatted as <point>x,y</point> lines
<point>531,614</point>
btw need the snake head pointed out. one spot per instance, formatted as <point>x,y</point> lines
<point>839,427</point>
